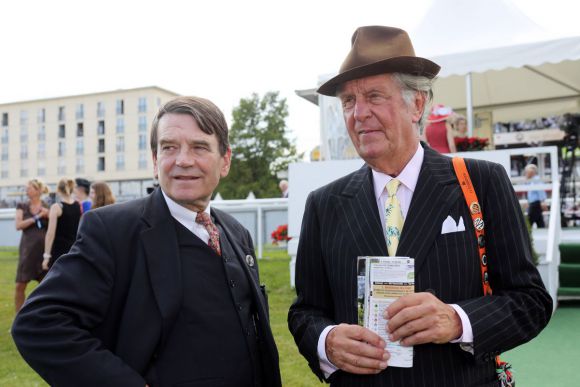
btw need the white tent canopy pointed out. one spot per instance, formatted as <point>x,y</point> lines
<point>546,71</point>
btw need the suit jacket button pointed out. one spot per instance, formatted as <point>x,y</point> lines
<point>232,283</point>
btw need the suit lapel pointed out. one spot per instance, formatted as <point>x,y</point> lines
<point>361,214</point>
<point>436,191</point>
<point>162,256</point>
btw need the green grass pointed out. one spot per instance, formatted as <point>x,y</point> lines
<point>548,360</point>
<point>274,272</point>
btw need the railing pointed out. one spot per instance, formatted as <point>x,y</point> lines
<point>259,216</point>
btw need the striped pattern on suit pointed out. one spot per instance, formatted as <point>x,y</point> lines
<point>341,222</point>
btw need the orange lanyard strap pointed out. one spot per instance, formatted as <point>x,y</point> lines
<point>476,217</point>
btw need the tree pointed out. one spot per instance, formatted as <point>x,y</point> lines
<point>260,147</point>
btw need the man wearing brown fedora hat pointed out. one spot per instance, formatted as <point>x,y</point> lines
<point>406,201</point>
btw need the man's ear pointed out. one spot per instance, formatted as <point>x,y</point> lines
<point>418,106</point>
<point>227,160</point>
<point>155,169</point>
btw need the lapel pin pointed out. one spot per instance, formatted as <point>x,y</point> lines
<point>250,260</point>
<point>478,223</point>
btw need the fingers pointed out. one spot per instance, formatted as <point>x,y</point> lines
<point>422,318</point>
<point>355,349</point>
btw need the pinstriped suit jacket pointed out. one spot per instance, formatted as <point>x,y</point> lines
<point>341,222</point>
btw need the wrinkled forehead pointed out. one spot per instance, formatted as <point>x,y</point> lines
<point>365,84</point>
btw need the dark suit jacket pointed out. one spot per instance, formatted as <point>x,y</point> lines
<point>341,221</point>
<point>105,308</point>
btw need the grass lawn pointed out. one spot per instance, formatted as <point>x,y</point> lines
<point>274,272</point>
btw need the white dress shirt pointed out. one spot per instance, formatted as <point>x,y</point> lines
<point>187,218</point>
<point>408,178</point>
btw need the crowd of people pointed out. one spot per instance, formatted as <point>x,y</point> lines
<point>164,290</point>
<point>49,231</point>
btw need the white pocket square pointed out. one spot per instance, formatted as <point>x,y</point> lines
<point>449,225</point>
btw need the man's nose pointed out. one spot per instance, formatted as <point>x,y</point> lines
<point>185,158</point>
<point>361,110</point>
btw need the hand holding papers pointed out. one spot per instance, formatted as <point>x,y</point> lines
<point>381,281</point>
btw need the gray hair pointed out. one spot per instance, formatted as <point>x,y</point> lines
<point>412,84</point>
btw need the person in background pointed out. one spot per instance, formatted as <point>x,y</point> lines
<point>82,193</point>
<point>283,188</point>
<point>31,219</point>
<point>536,198</point>
<point>101,194</point>
<point>459,125</point>
<point>63,222</point>
<point>438,132</point>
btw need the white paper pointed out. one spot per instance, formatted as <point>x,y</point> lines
<point>381,281</point>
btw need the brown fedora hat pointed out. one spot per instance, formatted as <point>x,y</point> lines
<point>378,50</point>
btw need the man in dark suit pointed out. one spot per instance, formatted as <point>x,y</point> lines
<point>161,290</point>
<point>454,329</point>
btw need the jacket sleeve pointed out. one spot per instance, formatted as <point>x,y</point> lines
<point>520,306</point>
<point>54,329</point>
<point>312,310</point>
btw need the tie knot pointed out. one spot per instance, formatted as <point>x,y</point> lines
<point>203,218</point>
<point>392,186</point>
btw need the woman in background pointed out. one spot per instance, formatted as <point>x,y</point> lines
<point>438,131</point>
<point>31,219</point>
<point>101,194</point>
<point>63,222</point>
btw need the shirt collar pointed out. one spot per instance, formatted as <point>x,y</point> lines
<point>408,176</point>
<point>183,215</point>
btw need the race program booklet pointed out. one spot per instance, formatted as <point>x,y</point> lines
<point>381,280</point>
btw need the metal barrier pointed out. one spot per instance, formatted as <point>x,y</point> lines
<point>259,216</point>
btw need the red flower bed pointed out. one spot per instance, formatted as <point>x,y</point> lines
<point>280,234</point>
<point>465,144</point>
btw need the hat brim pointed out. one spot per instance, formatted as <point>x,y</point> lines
<point>403,64</point>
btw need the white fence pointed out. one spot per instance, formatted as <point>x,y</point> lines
<point>259,216</point>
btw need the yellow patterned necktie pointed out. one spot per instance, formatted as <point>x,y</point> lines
<point>394,217</point>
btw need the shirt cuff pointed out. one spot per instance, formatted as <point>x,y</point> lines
<point>326,366</point>
<point>466,339</point>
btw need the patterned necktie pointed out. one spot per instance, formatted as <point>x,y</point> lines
<point>394,217</point>
<point>214,235</point>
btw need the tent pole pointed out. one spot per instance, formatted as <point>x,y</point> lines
<point>469,100</point>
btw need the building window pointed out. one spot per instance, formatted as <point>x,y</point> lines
<point>120,125</point>
<point>120,144</point>
<point>4,152</point>
<point>41,133</point>
<point>120,107</point>
<point>5,136</point>
<point>41,150</point>
<point>61,113</point>
<point>23,135</point>
<point>80,113</point>
<point>61,170</point>
<point>4,119</point>
<point>80,165</point>
<point>142,123</point>
<point>142,104</point>
<point>61,148</point>
<point>61,131</point>
<point>23,151</point>
<point>23,117</point>
<point>120,162</point>
<point>101,164</point>
<point>23,169</point>
<point>80,129</point>
<point>142,141</point>
<point>100,110</point>
<point>101,128</point>
<point>142,160</point>
<point>41,169</point>
<point>80,146</point>
<point>101,146</point>
<point>41,118</point>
